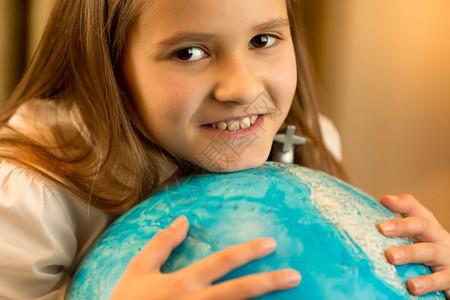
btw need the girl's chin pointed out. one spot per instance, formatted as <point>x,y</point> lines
<point>237,165</point>
<point>224,159</point>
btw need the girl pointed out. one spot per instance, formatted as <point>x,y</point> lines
<point>123,97</point>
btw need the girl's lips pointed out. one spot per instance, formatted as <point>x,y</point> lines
<point>234,124</point>
<point>234,132</point>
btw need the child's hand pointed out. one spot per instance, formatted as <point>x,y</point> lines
<point>432,247</point>
<point>143,280</point>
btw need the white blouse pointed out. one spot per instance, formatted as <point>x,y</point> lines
<point>44,233</point>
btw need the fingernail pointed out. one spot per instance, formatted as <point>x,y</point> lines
<point>293,278</point>
<point>178,222</point>
<point>393,197</point>
<point>398,255</point>
<point>418,284</point>
<point>387,227</point>
<point>269,245</point>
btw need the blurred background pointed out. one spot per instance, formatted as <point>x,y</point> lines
<point>383,70</point>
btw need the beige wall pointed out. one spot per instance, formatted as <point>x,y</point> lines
<point>10,46</point>
<point>39,12</point>
<point>15,47</point>
<point>385,69</point>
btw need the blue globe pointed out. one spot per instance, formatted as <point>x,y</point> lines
<point>324,228</point>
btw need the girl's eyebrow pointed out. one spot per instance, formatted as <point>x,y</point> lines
<point>181,37</point>
<point>271,24</point>
<point>185,37</point>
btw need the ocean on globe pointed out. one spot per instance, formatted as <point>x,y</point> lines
<point>324,228</point>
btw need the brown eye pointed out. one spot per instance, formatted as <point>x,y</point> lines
<point>190,54</point>
<point>262,41</point>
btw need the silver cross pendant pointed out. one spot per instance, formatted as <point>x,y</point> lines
<point>284,145</point>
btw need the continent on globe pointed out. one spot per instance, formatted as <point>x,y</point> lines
<point>324,228</point>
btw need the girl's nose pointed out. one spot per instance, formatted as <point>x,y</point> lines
<point>237,81</point>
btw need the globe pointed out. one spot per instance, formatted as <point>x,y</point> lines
<point>324,228</point>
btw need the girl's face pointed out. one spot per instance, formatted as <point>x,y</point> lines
<point>212,81</point>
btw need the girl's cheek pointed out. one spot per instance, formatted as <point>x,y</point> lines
<point>284,82</point>
<point>183,99</point>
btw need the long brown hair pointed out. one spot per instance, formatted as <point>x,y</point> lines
<point>304,111</point>
<point>109,161</point>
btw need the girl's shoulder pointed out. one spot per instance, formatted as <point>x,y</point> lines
<point>36,194</point>
<point>331,137</point>
<point>45,233</point>
<point>17,183</point>
<point>47,120</point>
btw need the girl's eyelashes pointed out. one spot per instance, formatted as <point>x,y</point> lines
<point>195,53</point>
<point>189,54</point>
<point>263,41</point>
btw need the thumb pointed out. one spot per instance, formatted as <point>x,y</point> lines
<point>158,250</point>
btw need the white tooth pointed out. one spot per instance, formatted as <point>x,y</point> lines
<point>253,119</point>
<point>221,126</point>
<point>245,122</point>
<point>233,125</point>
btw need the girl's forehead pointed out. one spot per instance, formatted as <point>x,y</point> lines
<point>208,13</point>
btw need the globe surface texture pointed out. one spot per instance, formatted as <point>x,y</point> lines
<point>324,228</point>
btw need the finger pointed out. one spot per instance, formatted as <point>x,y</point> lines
<point>424,253</point>
<point>251,286</point>
<point>158,250</point>
<point>407,206</point>
<point>418,227</point>
<point>219,264</point>
<point>439,281</point>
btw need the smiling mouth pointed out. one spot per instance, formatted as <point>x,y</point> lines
<point>235,124</point>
